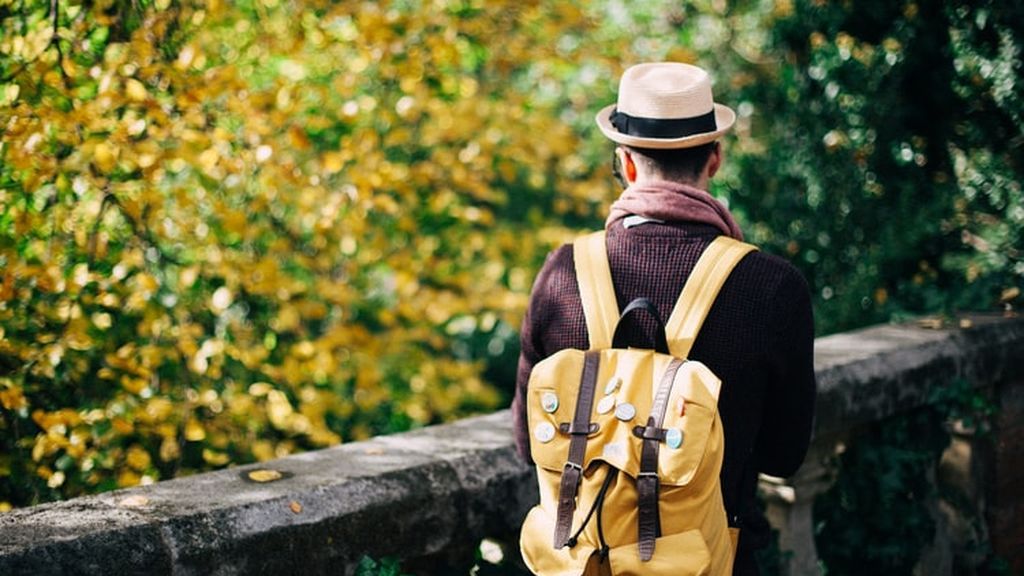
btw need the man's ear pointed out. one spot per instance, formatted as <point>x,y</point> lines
<point>715,160</point>
<point>627,163</point>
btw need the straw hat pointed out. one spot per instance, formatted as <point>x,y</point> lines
<point>665,105</point>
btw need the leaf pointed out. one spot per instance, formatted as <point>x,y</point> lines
<point>135,90</point>
<point>133,501</point>
<point>264,475</point>
<point>105,157</point>
<point>194,431</point>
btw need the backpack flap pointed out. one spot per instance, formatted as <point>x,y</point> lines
<point>691,426</point>
<point>627,381</point>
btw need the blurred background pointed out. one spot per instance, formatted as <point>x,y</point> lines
<point>234,231</point>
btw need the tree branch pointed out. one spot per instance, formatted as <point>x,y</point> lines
<point>138,230</point>
<point>94,234</point>
<point>55,42</point>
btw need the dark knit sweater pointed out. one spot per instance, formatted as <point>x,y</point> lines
<point>758,338</point>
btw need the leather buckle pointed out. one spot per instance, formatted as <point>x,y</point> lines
<point>649,433</point>
<point>566,428</point>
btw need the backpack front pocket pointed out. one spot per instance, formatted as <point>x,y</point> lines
<point>683,554</point>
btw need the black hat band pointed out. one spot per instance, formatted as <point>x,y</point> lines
<point>663,127</point>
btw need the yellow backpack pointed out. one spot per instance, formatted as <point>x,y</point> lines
<point>628,442</point>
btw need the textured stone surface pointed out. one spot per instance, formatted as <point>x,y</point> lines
<point>866,375</point>
<point>434,493</point>
<point>407,495</point>
<point>1006,492</point>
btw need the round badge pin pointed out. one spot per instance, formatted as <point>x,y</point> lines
<point>612,385</point>
<point>625,411</point>
<point>674,438</point>
<point>549,402</point>
<point>544,432</point>
<point>606,404</point>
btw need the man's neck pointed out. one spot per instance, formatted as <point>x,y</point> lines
<point>701,183</point>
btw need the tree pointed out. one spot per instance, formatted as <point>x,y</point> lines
<point>232,232</point>
<point>889,154</point>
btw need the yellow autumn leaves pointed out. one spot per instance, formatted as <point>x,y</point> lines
<point>231,232</point>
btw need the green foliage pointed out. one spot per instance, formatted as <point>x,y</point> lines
<point>875,518</point>
<point>888,473</point>
<point>502,569</point>
<point>388,566</point>
<point>965,404</point>
<point>772,559</point>
<point>383,567</point>
<point>887,154</point>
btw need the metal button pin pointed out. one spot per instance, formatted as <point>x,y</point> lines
<point>606,404</point>
<point>612,385</point>
<point>625,411</point>
<point>549,402</point>
<point>544,432</point>
<point>674,438</point>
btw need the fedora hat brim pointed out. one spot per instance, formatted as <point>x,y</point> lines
<point>724,120</point>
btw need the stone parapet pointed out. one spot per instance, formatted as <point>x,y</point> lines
<point>430,492</point>
<point>431,495</point>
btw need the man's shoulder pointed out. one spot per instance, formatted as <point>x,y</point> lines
<point>761,261</point>
<point>556,275</point>
<point>772,275</point>
<point>558,260</point>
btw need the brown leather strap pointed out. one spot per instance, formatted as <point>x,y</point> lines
<point>648,522</point>
<point>649,433</point>
<point>566,428</point>
<point>577,449</point>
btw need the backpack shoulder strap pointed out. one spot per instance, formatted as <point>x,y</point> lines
<point>594,277</point>
<point>700,291</point>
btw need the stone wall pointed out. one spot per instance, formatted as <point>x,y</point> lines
<point>866,376</point>
<point>431,495</point>
<point>1004,490</point>
<point>429,492</point>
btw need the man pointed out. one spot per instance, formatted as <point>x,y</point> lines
<point>758,336</point>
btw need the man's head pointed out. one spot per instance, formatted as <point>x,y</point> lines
<point>694,165</point>
<point>666,123</point>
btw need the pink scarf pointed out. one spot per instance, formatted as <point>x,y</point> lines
<point>672,201</point>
